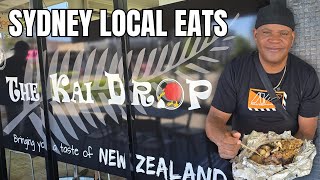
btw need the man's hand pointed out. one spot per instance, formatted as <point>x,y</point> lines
<point>228,142</point>
<point>229,145</point>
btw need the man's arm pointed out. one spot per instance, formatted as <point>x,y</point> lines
<point>227,141</point>
<point>307,127</point>
<point>216,124</point>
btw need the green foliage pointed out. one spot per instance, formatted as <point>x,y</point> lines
<point>241,46</point>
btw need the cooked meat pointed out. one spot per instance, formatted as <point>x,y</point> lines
<point>278,152</point>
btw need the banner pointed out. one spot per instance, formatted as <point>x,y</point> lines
<point>139,107</point>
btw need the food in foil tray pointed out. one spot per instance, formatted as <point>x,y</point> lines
<point>279,152</point>
<point>282,156</point>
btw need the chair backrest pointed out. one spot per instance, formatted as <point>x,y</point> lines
<point>146,125</point>
<point>146,129</point>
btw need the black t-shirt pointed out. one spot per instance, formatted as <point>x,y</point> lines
<point>241,92</point>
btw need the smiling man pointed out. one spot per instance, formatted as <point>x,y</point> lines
<point>240,93</point>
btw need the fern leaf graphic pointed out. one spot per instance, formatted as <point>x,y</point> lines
<point>100,69</point>
<point>55,129</point>
<point>138,64</point>
<point>162,58</point>
<point>66,112</point>
<point>89,67</point>
<point>197,68</point>
<point>65,63</point>
<point>77,67</point>
<point>194,53</point>
<point>15,121</point>
<point>62,117</point>
<point>183,76</point>
<point>150,62</point>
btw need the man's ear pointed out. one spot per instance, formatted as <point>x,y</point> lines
<point>254,31</point>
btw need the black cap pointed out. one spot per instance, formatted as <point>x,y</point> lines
<point>21,46</point>
<point>275,14</point>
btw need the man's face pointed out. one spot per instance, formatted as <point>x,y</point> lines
<point>274,42</point>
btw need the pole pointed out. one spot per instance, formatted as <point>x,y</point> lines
<point>3,164</point>
<point>50,156</point>
<point>122,4</point>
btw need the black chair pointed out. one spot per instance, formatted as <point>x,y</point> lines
<point>190,138</point>
<point>148,137</point>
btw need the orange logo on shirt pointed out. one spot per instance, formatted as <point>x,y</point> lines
<point>260,100</point>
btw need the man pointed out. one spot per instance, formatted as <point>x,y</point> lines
<point>15,67</point>
<point>241,94</point>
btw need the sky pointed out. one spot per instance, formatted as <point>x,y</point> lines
<point>243,26</point>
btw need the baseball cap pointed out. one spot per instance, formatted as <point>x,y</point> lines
<point>21,45</point>
<point>275,14</point>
